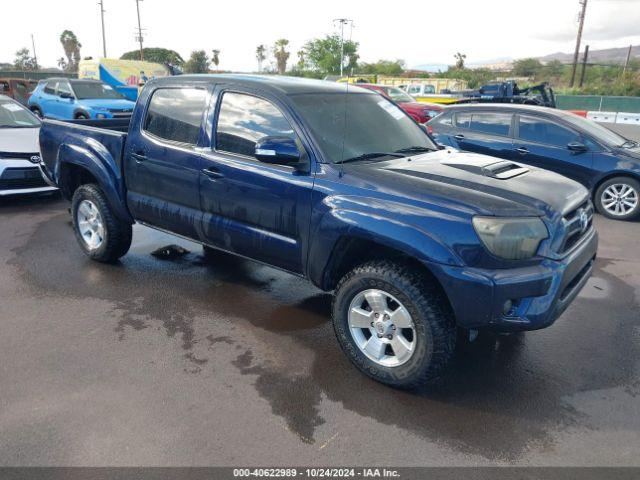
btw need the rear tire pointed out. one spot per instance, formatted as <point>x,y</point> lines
<point>100,234</point>
<point>82,116</point>
<point>619,198</point>
<point>426,337</point>
<point>37,112</point>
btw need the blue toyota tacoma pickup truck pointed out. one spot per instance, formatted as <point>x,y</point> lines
<point>338,185</point>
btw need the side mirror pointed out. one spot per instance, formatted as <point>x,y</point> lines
<point>577,147</point>
<point>66,95</point>
<point>277,150</point>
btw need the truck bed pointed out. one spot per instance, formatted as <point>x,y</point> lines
<point>97,145</point>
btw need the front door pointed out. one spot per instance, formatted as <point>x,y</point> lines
<point>543,143</point>
<point>162,163</point>
<point>258,210</point>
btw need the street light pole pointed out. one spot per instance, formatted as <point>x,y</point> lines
<point>342,22</point>
<point>139,29</point>
<point>578,39</point>
<point>104,41</point>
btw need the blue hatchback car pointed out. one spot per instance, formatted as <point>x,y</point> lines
<point>603,161</point>
<point>69,99</point>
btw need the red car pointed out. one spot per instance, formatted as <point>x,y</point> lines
<point>421,112</point>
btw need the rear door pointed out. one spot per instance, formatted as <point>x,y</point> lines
<point>484,132</point>
<point>258,210</point>
<point>47,101</point>
<point>162,162</point>
<point>542,142</point>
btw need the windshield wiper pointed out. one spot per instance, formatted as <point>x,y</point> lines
<point>371,155</point>
<point>629,143</point>
<point>415,149</point>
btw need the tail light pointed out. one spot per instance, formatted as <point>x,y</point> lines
<point>429,129</point>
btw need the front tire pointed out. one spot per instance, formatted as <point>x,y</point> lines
<point>619,198</point>
<point>394,326</point>
<point>101,235</point>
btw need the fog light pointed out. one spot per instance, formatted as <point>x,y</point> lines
<point>101,115</point>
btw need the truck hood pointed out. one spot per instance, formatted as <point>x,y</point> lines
<point>477,183</point>
<point>107,103</point>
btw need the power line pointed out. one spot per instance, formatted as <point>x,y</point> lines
<point>139,36</point>
<point>104,41</point>
<point>578,39</point>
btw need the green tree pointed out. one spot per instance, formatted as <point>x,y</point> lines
<point>71,46</point>
<point>197,63</point>
<point>157,55</point>
<point>281,54</point>
<point>323,54</point>
<point>554,68</point>
<point>261,55</point>
<point>215,57</point>
<point>526,67</point>
<point>24,60</point>
<point>383,67</point>
<point>460,58</point>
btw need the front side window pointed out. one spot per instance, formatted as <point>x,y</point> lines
<point>491,123</point>
<point>531,129</point>
<point>175,114</point>
<point>463,120</point>
<point>63,87</point>
<point>245,119</point>
<point>414,90</point>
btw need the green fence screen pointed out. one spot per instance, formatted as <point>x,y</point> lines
<point>598,103</point>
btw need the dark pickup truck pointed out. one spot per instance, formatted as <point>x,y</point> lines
<point>335,184</point>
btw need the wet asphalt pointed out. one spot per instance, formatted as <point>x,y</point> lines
<point>220,361</point>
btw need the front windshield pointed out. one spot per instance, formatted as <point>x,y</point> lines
<point>14,115</point>
<point>595,130</point>
<point>348,126</point>
<point>398,95</point>
<point>94,90</point>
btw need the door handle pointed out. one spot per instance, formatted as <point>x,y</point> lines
<point>522,150</point>
<point>139,157</point>
<point>212,173</point>
<point>458,136</point>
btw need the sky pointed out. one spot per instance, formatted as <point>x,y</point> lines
<point>418,32</point>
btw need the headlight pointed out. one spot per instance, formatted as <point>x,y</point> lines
<point>511,238</point>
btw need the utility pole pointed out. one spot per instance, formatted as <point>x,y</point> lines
<point>343,22</point>
<point>626,62</point>
<point>104,41</point>
<point>578,39</point>
<point>584,64</point>
<point>35,57</point>
<point>139,37</point>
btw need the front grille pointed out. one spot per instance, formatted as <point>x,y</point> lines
<point>577,224</point>
<point>19,178</point>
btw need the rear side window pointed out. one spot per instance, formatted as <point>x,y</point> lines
<point>463,120</point>
<point>174,114</point>
<point>531,129</point>
<point>245,119</point>
<point>444,119</point>
<point>50,88</point>
<point>491,123</point>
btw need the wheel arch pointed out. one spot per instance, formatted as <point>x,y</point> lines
<point>619,173</point>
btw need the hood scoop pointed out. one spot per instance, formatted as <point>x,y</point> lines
<point>503,170</point>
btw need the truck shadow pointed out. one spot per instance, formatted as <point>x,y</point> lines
<point>501,396</point>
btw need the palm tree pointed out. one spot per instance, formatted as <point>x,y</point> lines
<point>459,60</point>
<point>281,54</point>
<point>261,55</point>
<point>215,57</point>
<point>71,47</point>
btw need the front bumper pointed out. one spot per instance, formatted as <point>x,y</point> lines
<point>538,294</point>
<point>22,177</point>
